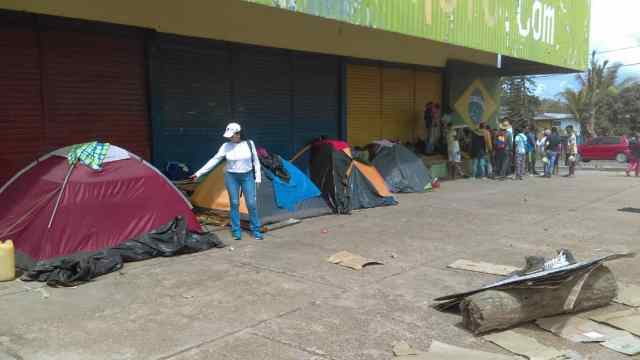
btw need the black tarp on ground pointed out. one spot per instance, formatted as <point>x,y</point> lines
<point>169,240</point>
<point>401,169</point>
<point>343,186</point>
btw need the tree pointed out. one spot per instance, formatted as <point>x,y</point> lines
<point>620,112</point>
<point>575,101</point>
<point>519,99</point>
<point>596,84</point>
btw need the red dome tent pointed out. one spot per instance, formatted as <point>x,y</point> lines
<point>96,209</point>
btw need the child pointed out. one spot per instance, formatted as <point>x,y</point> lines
<point>453,147</point>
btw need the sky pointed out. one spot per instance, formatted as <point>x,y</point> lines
<point>615,25</point>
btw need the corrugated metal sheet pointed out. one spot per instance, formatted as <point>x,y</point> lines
<point>397,104</point>
<point>315,98</point>
<point>428,89</point>
<point>262,96</point>
<point>21,123</point>
<point>95,89</point>
<point>191,99</point>
<point>388,102</point>
<point>364,103</point>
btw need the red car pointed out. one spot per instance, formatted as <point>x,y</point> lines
<point>605,148</point>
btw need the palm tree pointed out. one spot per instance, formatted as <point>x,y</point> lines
<point>576,102</point>
<point>596,83</point>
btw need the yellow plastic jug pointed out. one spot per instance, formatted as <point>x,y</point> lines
<point>7,261</point>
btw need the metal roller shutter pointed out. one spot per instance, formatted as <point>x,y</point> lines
<point>428,89</point>
<point>191,99</point>
<point>95,89</point>
<point>262,96</point>
<point>397,104</point>
<point>364,101</point>
<point>315,98</point>
<point>21,123</point>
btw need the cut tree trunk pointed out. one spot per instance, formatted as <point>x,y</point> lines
<point>502,309</point>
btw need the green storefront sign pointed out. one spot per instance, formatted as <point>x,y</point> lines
<point>554,32</point>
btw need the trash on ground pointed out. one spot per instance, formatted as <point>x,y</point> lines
<point>483,267</point>
<point>43,292</point>
<point>353,261</point>
<point>441,351</point>
<point>7,261</point>
<point>630,210</point>
<point>577,329</point>
<point>628,295</point>
<point>527,346</point>
<point>626,344</point>
<point>541,289</point>
<point>280,225</point>
<point>628,320</point>
<point>401,348</point>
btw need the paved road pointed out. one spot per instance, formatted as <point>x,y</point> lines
<point>280,299</point>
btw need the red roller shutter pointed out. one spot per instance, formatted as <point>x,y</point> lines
<point>95,89</point>
<point>21,121</point>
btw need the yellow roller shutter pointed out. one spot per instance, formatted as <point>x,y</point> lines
<point>428,89</point>
<point>397,104</point>
<point>364,100</point>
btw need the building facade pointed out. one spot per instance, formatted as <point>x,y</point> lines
<point>162,79</point>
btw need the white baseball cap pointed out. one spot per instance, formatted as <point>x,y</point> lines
<point>232,129</point>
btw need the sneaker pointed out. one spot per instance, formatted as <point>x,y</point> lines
<point>236,236</point>
<point>258,236</point>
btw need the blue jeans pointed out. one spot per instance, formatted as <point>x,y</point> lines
<point>234,183</point>
<point>548,167</point>
<point>478,167</point>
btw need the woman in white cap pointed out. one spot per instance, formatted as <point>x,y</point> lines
<point>241,172</point>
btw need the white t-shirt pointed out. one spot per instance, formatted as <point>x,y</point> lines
<point>238,156</point>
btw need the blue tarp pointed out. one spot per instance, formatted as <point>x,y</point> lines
<point>298,189</point>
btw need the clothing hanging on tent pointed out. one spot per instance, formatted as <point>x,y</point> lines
<point>93,210</point>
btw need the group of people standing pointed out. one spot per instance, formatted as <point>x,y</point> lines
<point>510,152</point>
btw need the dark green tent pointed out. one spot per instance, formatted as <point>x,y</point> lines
<point>402,170</point>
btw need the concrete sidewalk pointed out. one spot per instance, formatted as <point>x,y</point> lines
<point>281,299</point>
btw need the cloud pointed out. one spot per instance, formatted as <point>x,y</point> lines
<point>614,25</point>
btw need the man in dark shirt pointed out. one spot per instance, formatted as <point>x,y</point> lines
<point>478,152</point>
<point>552,147</point>
<point>531,150</point>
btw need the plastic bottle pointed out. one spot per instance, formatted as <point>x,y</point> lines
<point>7,261</point>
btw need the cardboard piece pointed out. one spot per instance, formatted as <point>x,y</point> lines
<point>628,320</point>
<point>441,351</point>
<point>526,346</point>
<point>577,329</point>
<point>347,259</point>
<point>626,344</point>
<point>628,295</point>
<point>483,267</point>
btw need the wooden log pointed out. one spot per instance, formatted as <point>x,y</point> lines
<point>502,309</point>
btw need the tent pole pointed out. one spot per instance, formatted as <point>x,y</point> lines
<point>64,185</point>
<point>300,153</point>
